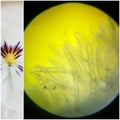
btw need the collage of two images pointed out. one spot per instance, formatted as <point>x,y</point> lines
<point>59,60</point>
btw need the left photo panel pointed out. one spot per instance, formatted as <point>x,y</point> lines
<point>12,94</point>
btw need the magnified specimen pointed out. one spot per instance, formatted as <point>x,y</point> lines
<point>74,64</point>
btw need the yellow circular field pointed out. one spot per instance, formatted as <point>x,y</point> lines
<point>71,60</point>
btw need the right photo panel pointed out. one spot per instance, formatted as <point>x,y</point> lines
<point>71,59</point>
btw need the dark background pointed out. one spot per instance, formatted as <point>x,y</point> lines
<point>32,9</point>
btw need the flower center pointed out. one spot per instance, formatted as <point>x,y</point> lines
<point>10,59</point>
<point>10,53</point>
